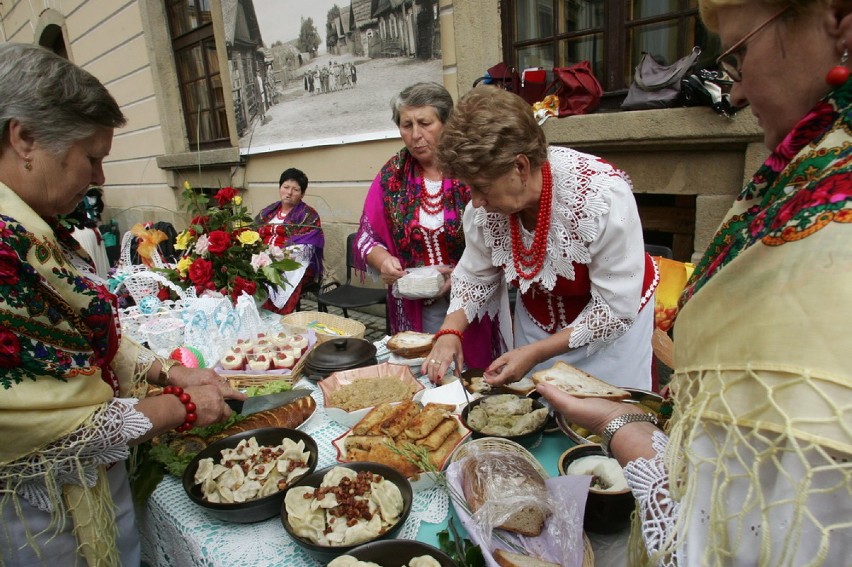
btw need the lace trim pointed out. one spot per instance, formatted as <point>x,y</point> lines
<point>597,325</point>
<point>649,481</point>
<point>74,459</point>
<point>476,296</point>
<point>580,197</point>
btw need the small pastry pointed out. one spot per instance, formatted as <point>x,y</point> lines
<point>232,361</point>
<point>281,360</point>
<point>259,361</point>
<point>281,339</point>
<point>299,341</point>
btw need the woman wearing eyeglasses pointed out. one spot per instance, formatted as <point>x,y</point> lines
<point>757,465</point>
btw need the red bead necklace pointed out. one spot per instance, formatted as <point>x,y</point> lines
<point>432,204</point>
<point>529,261</point>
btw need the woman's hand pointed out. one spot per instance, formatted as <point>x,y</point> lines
<point>210,406</point>
<point>590,413</point>
<point>447,349</point>
<point>186,377</point>
<point>391,270</point>
<point>511,366</point>
<point>446,271</point>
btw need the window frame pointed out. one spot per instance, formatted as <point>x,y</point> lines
<point>617,62</point>
<point>200,37</point>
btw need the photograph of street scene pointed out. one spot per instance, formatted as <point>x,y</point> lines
<point>314,72</point>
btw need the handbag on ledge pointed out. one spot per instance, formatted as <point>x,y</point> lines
<point>656,85</point>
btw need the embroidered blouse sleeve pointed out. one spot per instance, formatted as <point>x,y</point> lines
<point>649,482</point>
<point>616,271</point>
<point>475,280</point>
<point>366,238</point>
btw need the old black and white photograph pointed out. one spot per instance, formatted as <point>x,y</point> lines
<point>315,72</point>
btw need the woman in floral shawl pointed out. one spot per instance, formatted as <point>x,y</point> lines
<point>757,467</point>
<point>412,217</point>
<point>72,391</point>
<point>292,224</point>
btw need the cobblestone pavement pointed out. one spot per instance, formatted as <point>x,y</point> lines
<point>375,324</point>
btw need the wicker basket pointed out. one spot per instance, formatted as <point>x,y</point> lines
<point>301,321</point>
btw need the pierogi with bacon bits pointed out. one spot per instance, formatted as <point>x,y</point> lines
<point>347,508</point>
<point>250,471</point>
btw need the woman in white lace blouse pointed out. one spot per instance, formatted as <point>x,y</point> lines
<point>756,469</point>
<point>563,228</point>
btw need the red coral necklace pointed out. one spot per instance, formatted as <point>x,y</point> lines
<point>529,261</point>
<point>432,204</point>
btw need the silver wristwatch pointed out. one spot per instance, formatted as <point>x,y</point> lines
<point>618,423</point>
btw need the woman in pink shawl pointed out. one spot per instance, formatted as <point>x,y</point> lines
<point>412,217</point>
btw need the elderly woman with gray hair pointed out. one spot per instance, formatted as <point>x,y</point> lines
<point>413,217</point>
<point>72,390</point>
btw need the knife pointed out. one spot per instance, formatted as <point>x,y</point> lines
<point>267,402</point>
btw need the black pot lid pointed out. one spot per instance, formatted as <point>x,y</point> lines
<point>340,354</point>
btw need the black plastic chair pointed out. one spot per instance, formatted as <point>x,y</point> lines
<point>658,250</point>
<point>347,296</point>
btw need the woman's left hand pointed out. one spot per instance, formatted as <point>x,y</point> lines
<point>186,377</point>
<point>510,366</point>
<point>446,271</point>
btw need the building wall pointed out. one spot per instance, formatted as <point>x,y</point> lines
<point>126,45</point>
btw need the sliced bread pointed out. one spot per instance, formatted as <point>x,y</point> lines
<point>578,383</point>
<point>510,559</point>
<point>500,479</point>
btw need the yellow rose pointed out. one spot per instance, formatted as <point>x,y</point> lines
<point>183,240</point>
<point>186,185</point>
<point>248,237</point>
<point>183,266</point>
<point>238,200</point>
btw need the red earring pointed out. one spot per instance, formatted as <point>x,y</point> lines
<point>839,74</point>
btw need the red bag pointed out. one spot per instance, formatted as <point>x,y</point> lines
<point>578,90</point>
<point>533,85</point>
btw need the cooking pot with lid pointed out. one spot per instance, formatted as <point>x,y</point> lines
<point>343,353</point>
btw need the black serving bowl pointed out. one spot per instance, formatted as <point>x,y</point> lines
<point>326,553</point>
<point>643,399</point>
<point>398,552</point>
<point>525,440</point>
<point>252,510</point>
<point>606,512</point>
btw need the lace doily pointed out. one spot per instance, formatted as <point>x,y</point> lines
<point>176,532</point>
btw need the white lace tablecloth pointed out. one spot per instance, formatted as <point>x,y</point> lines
<point>176,532</point>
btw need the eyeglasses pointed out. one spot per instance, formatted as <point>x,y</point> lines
<point>730,62</point>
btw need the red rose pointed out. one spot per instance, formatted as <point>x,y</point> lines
<point>242,285</point>
<point>10,265</point>
<point>225,195</point>
<point>199,221</point>
<point>201,271</point>
<point>164,294</point>
<point>218,241</point>
<point>10,349</point>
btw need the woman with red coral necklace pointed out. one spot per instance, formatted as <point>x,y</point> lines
<point>560,226</point>
<point>412,218</point>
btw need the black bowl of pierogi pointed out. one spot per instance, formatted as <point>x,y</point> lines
<point>243,478</point>
<point>336,509</point>
<point>395,553</point>
<point>517,418</point>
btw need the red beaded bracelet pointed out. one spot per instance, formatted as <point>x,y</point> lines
<point>455,332</point>
<point>186,400</point>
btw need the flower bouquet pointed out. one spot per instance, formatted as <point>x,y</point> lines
<point>223,252</point>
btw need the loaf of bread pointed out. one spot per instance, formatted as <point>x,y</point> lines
<point>510,559</point>
<point>578,383</point>
<point>411,344</point>
<point>289,415</point>
<point>508,484</point>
